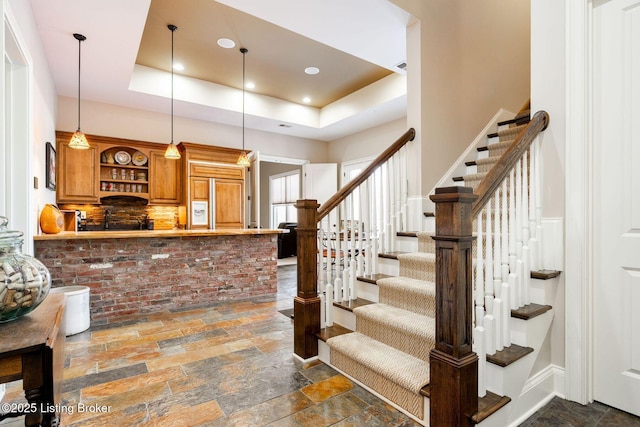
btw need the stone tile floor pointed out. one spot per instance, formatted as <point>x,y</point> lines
<point>231,365</point>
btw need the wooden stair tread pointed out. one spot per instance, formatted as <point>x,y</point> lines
<point>471,163</point>
<point>332,331</point>
<point>489,405</point>
<point>458,179</point>
<point>353,303</point>
<point>492,135</point>
<point>429,214</point>
<point>545,274</point>
<point>426,391</point>
<point>509,355</point>
<point>373,278</point>
<point>391,255</point>
<point>407,234</point>
<point>530,311</point>
<point>483,148</point>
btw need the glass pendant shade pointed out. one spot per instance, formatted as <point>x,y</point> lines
<point>79,141</point>
<point>172,152</point>
<point>243,160</point>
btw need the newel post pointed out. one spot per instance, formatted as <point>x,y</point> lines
<point>306,303</point>
<point>454,366</point>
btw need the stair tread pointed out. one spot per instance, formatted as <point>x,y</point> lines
<point>373,278</point>
<point>332,331</point>
<point>351,304</point>
<point>429,214</point>
<point>391,255</point>
<point>489,405</point>
<point>530,311</point>
<point>545,274</point>
<point>406,234</point>
<point>509,355</point>
<point>400,368</point>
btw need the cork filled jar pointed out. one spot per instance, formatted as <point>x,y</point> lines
<point>24,281</point>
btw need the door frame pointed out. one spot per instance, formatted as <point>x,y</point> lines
<point>579,205</point>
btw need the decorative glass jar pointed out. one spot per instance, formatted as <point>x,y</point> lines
<point>24,281</point>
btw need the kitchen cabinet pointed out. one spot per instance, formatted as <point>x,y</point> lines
<point>229,203</point>
<point>165,179</point>
<point>214,191</point>
<point>76,172</point>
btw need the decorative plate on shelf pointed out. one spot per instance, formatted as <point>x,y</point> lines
<point>138,159</point>
<point>123,158</point>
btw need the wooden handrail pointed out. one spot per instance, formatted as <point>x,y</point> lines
<point>489,185</point>
<point>342,194</point>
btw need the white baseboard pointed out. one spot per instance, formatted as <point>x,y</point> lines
<point>537,392</point>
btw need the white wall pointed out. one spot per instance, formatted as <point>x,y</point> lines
<point>471,59</point>
<point>122,122</point>
<point>548,88</point>
<point>370,142</point>
<point>41,122</point>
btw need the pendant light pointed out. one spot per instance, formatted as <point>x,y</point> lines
<point>78,140</point>
<point>243,160</point>
<point>172,151</point>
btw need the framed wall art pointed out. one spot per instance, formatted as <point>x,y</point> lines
<point>50,167</point>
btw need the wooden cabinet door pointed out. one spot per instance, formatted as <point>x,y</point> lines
<point>77,179</point>
<point>199,192</point>
<point>165,179</point>
<point>229,203</point>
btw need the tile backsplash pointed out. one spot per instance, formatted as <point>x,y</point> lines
<point>127,211</point>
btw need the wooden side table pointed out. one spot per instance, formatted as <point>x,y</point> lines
<point>32,349</point>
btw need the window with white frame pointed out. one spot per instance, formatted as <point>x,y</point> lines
<point>284,190</point>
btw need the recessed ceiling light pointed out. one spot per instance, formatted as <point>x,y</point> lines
<point>250,85</point>
<point>306,100</point>
<point>226,43</point>
<point>178,67</point>
<point>312,70</point>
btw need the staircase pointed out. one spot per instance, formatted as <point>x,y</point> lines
<point>384,342</point>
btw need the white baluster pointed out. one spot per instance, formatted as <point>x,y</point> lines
<point>329,305</point>
<point>488,257</point>
<point>337,288</point>
<point>323,311</point>
<point>345,284</point>
<point>498,314</point>
<point>539,199</point>
<point>479,297</point>
<point>320,256</point>
<point>392,204</point>
<point>353,292</point>
<point>506,315</point>
<point>533,237</point>
<point>480,350</point>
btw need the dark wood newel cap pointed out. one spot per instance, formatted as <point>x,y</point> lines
<point>454,189</point>
<point>307,203</point>
<point>455,193</point>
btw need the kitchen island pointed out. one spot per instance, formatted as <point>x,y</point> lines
<point>137,272</point>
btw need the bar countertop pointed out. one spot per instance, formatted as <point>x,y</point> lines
<point>144,234</point>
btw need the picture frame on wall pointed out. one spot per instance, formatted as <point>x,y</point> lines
<point>50,167</point>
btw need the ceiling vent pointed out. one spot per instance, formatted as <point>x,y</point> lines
<point>402,66</point>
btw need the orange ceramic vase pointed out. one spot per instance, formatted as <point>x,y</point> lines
<point>51,221</point>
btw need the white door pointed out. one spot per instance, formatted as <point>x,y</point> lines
<point>319,181</point>
<point>617,203</point>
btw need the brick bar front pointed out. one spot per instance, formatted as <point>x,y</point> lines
<point>139,275</point>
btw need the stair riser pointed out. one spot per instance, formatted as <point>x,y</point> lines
<point>344,317</point>
<point>388,266</point>
<point>368,291</point>
<point>406,244</point>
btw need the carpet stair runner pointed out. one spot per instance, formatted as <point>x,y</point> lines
<point>389,351</point>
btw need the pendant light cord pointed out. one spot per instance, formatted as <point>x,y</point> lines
<point>173,28</point>
<point>244,52</point>
<point>80,39</point>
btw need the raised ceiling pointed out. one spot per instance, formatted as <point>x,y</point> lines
<point>276,59</point>
<point>355,44</point>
